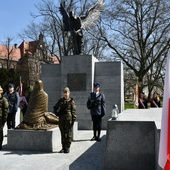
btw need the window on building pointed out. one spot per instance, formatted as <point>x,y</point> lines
<point>31,69</point>
<point>37,68</point>
<point>40,68</point>
<point>12,66</point>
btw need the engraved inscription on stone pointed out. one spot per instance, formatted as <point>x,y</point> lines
<point>76,82</point>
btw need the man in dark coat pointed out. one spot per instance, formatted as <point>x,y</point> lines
<point>13,99</point>
<point>97,106</point>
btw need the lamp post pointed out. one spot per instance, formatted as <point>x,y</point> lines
<point>115,112</point>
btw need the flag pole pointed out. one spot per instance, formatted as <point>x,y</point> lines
<point>136,91</point>
<point>20,86</point>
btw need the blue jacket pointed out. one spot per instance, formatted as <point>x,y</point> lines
<point>13,100</point>
<point>97,105</point>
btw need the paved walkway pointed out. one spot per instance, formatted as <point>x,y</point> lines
<point>84,155</point>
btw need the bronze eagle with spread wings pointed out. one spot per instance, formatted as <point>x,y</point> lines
<point>75,24</point>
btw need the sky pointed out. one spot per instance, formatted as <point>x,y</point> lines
<point>14,17</point>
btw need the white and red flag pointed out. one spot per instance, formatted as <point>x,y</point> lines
<point>164,146</point>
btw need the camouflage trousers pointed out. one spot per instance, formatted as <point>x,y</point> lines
<point>66,132</point>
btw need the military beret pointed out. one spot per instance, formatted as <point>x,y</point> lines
<point>66,90</point>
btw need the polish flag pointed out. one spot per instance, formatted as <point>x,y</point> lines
<point>164,146</point>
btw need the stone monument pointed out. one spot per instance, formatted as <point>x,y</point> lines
<point>75,24</point>
<point>38,131</point>
<point>37,116</point>
<point>79,72</point>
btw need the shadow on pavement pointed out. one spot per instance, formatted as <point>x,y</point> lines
<point>19,152</point>
<point>91,159</point>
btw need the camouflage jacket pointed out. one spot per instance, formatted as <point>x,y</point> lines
<point>65,107</point>
<point>3,109</point>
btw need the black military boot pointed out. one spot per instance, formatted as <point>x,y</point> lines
<point>61,151</point>
<point>93,138</point>
<point>66,150</point>
<point>98,139</point>
<point>98,136</point>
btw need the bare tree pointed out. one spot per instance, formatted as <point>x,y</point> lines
<point>129,82</point>
<point>138,33</point>
<point>8,50</point>
<point>59,43</point>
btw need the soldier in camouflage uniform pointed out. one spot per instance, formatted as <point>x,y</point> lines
<point>66,111</point>
<point>3,114</point>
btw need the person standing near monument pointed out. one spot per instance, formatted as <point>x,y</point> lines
<point>96,105</point>
<point>65,109</point>
<point>13,99</point>
<point>143,103</point>
<point>3,114</point>
<point>155,100</point>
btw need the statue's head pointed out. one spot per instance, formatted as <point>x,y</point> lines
<point>38,86</point>
<point>71,14</point>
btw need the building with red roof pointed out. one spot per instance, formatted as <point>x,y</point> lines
<point>9,56</point>
<point>27,58</point>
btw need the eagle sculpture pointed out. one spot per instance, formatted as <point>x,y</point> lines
<point>75,24</point>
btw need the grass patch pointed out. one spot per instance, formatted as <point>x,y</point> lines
<point>129,106</point>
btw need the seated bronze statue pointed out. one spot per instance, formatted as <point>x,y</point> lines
<point>37,116</point>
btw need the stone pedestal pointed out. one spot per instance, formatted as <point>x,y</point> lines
<point>34,140</point>
<point>37,140</point>
<point>133,140</point>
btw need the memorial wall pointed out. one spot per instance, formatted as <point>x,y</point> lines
<point>79,72</point>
